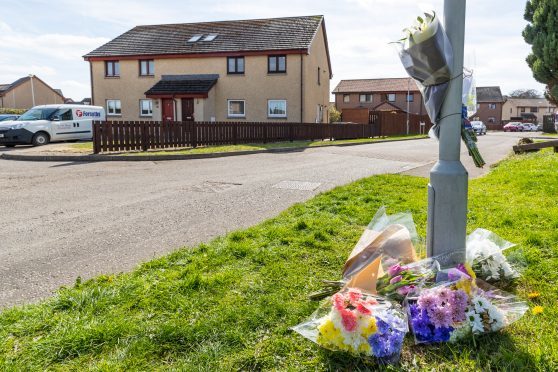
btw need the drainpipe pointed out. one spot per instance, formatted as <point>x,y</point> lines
<point>91,80</point>
<point>301,88</point>
<point>32,89</point>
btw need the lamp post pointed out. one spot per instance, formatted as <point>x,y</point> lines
<point>447,190</point>
<point>32,89</point>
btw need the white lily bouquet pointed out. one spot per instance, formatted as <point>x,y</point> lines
<point>427,55</point>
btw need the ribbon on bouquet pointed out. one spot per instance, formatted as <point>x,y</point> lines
<point>363,267</point>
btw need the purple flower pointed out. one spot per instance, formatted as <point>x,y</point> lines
<point>389,338</point>
<point>440,317</point>
<point>444,294</point>
<point>428,300</point>
<point>394,270</point>
<point>396,279</point>
<point>405,290</point>
<point>442,334</point>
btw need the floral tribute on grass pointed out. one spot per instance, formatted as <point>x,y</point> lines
<point>358,323</point>
<point>386,292</point>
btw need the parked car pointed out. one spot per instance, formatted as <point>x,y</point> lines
<point>513,127</point>
<point>525,127</point>
<point>479,127</point>
<point>533,127</point>
<point>43,124</point>
<point>6,117</point>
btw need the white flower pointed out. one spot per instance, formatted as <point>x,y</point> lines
<point>475,321</point>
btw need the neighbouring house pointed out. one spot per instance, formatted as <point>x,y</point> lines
<point>27,92</point>
<point>489,105</point>
<point>527,109</point>
<point>84,101</point>
<point>261,70</point>
<point>392,94</point>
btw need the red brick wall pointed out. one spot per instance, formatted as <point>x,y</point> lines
<point>484,113</point>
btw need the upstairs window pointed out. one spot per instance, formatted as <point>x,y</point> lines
<point>410,97</point>
<point>365,98</point>
<point>235,65</point>
<point>276,64</point>
<point>534,109</point>
<point>346,98</point>
<point>112,68</point>
<point>390,97</point>
<point>147,67</point>
<point>492,106</point>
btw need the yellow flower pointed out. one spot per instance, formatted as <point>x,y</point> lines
<point>465,285</point>
<point>533,295</point>
<point>470,271</point>
<point>364,348</point>
<point>329,335</point>
<point>370,328</point>
<point>537,310</point>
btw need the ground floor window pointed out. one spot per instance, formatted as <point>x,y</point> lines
<point>492,120</point>
<point>146,107</point>
<point>114,107</point>
<point>236,108</point>
<point>277,108</point>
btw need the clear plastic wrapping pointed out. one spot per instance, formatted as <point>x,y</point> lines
<point>451,311</point>
<point>358,323</point>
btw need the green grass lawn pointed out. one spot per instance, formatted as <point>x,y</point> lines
<point>228,304</point>
<point>550,134</point>
<point>252,146</point>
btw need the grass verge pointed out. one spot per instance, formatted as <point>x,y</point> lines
<point>228,304</point>
<point>88,146</point>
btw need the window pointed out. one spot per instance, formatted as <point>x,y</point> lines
<point>346,98</point>
<point>522,109</point>
<point>390,97</point>
<point>478,106</point>
<point>492,120</point>
<point>276,64</point>
<point>237,108</point>
<point>492,106</point>
<point>195,38</point>
<point>147,67</point>
<point>113,107</point>
<point>235,65</point>
<point>365,98</point>
<point>550,110</point>
<point>146,107</point>
<point>534,109</point>
<point>112,68</point>
<point>63,114</point>
<point>410,97</point>
<point>210,37</point>
<point>318,76</point>
<point>277,108</point>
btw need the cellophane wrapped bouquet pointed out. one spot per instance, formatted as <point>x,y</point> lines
<point>358,323</point>
<point>458,306</point>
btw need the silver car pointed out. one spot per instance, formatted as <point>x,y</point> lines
<point>479,127</point>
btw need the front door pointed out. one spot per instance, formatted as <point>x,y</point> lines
<point>187,109</point>
<point>168,109</point>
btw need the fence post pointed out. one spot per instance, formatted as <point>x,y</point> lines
<point>96,142</point>
<point>143,130</point>
<point>291,132</point>
<point>194,135</point>
<point>264,133</point>
<point>235,134</point>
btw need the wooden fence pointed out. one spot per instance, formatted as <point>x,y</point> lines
<point>145,135</point>
<point>391,123</point>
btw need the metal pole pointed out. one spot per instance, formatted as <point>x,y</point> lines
<point>408,92</point>
<point>447,191</point>
<point>32,89</point>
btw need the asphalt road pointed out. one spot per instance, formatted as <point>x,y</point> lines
<point>59,221</point>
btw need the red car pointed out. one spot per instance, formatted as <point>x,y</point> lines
<point>513,127</point>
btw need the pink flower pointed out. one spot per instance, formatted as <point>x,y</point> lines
<point>428,301</point>
<point>362,308</point>
<point>349,320</point>
<point>394,270</point>
<point>405,290</point>
<point>444,294</point>
<point>371,301</point>
<point>396,279</point>
<point>354,296</point>
<point>338,301</point>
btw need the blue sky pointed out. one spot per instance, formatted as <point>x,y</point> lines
<point>48,38</point>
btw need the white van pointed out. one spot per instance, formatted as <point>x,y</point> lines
<point>50,123</point>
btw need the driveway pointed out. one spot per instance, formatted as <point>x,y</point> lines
<point>64,220</point>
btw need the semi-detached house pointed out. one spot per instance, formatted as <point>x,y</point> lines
<point>262,70</point>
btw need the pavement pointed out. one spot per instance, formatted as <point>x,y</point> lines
<point>61,220</point>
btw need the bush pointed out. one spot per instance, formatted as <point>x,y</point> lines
<point>12,111</point>
<point>334,115</point>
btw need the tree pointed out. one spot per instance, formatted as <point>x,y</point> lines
<point>542,34</point>
<point>525,93</point>
<point>334,115</point>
